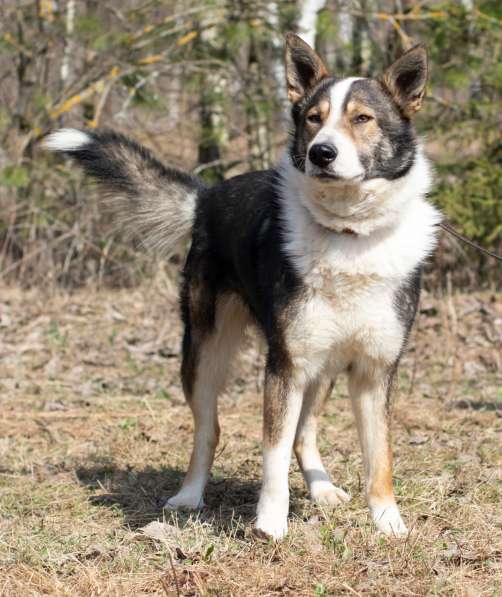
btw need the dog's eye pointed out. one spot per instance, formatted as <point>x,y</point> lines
<point>361,118</point>
<point>314,118</point>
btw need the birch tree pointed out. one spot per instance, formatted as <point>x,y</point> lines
<point>307,22</point>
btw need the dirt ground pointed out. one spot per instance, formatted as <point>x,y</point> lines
<point>94,435</point>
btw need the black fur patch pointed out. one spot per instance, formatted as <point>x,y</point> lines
<point>119,163</point>
<point>406,300</point>
<point>406,304</point>
<point>237,247</point>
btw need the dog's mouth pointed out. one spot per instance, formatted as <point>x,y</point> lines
<point>325,176</point>
<point>330,177</point>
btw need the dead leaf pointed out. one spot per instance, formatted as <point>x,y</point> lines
<point>161,531</point>
<point>417,440</point>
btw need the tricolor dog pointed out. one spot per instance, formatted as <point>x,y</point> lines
<point>321,253</point>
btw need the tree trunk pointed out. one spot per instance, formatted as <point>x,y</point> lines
<point>307,22</point>
<point>66,63</point>
<point>210,110</point>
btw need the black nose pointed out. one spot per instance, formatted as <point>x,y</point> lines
<point>322,154</point>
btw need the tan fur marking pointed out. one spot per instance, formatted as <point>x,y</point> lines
<point>322,110</point>
<point>330,282</point>
<point>204,378</point>
<point>324,106</point>
<point>381,490</point>
<point>199,327</point>
<point>274,410</point>
<point>364,135</point>
<point>323,392</point>
<point>231,319</point>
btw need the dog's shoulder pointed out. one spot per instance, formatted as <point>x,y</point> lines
<point>238,232</point>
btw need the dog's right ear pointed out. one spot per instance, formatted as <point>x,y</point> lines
<point>304,68</point>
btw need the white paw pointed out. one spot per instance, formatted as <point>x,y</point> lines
<point>388,520</point>
<point>275,528</point>
<point>325,493</point>
<point>185,500</point>
<point>272,517</point>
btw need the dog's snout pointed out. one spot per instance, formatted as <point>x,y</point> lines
<point>322,154</point>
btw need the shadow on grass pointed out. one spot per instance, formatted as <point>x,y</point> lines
<point>478,405</point>
<point>140,495</point>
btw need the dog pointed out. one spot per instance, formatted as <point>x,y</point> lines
<point>322,253</point>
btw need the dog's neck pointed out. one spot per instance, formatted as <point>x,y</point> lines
<point>392,227</point>
<point>359,209</point>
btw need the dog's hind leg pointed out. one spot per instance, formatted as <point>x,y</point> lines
<point>369,390</point>
<point>207,355</point>
<point>321,489</point>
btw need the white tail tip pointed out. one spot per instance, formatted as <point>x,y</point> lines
<point>66,140</point>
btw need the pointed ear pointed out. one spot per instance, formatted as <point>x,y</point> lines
<point>406,79</point>
<point>304,68</point>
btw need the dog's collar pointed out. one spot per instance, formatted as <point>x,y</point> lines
<point>348,231</point>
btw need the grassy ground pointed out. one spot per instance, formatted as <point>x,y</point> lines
<point>94,434</point>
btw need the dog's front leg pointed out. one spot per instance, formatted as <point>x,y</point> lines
<point>321,489</point>
<point>369,390</point>
<point>282,407</point>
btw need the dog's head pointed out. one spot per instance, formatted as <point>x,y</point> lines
<point>354,129</point>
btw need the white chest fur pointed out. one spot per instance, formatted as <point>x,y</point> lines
<point>344,321</point>
<point>352,280</point>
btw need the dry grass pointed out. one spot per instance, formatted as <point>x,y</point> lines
<point>94,434</point>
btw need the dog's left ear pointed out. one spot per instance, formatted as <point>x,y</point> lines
<point>304,68</point>
<point>406,79</point>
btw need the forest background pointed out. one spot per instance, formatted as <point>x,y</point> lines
<point>94,428</point>
<point>201,83</point>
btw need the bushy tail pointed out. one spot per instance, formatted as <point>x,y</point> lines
<point>150,202</point>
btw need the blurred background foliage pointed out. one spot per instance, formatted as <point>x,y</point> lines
<point>201,83</point>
